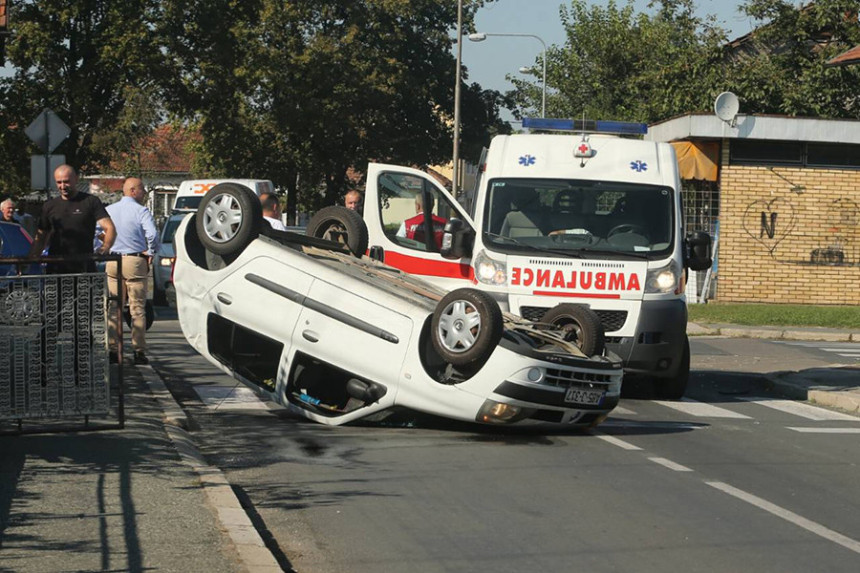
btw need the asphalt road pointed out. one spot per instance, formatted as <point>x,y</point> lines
<point>730,479</point>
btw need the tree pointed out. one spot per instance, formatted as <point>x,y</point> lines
<point>781,66</point>
<point>80,58</point>
<point>617,64</point>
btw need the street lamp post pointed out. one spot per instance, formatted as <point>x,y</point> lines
<point>481,36</point>
<point>455,175</point>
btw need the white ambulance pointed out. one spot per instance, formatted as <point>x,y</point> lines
<point>557,222</point>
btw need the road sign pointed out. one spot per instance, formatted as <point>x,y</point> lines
<point>40,170</point>
<point>48,131</point>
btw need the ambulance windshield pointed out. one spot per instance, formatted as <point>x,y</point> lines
<point>523,214</point>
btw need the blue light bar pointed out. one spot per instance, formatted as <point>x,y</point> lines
<point>590,125</point>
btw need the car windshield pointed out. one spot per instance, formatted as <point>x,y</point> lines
<point>582,218</point>
<point>170,229</point>
<point>188,203</point>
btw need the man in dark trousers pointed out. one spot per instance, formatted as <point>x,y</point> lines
<point>68,225</point>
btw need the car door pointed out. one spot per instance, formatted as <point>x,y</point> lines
<point>256,309</point>
<point>404,234</point>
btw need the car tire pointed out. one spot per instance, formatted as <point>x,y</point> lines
<point>228,219</point>
<point>150,315</point>
<point>466,327</point>
<point>340,225</point>
<point>581,326</point>
<point>674,388</point>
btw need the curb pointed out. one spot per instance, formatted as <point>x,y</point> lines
<point>845,400</point>
<point>694,329</point>
<point>253,554</point>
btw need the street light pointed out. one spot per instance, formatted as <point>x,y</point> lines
<point>455,174</point>
<point>481,36</point>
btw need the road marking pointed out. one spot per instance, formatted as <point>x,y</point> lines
<point>789,516</point>
<point>229,398</point>
<point>623,411</point>
<point>825,430</point>
<point>616,442</point>
<point>800,409</point>
<point>670,464</point>
<point>700,409</point>
<point>848,355</point>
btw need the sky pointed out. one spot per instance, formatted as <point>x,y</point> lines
<point>488,62</point>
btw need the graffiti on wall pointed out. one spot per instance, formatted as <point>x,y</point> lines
<point>771,221</point>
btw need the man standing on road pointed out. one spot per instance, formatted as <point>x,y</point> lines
<point>136,241</point>
<point>272,211</point>
<point>68,224</point>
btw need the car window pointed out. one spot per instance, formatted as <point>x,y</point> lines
<point>402,198</point>
<point>170,229</point>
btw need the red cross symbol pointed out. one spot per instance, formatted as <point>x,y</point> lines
<point>583,148</point>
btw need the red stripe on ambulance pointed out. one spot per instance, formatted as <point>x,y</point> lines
<point>427,267</point>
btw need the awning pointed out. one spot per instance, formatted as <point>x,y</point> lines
<point>697,159</point>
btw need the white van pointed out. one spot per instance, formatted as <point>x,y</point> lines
<point>191,191</point>
<point>558,221</point>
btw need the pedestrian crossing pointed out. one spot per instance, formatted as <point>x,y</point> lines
<point>694,410</point>
<point>849,350</point>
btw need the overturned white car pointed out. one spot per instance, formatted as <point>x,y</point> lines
<point>337,338</point>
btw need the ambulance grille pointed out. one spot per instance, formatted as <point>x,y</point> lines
<point>611,320</point>
<point>568,378</point>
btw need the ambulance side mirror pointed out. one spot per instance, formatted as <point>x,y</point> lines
<point>698,251</point>
<point>456,239</point>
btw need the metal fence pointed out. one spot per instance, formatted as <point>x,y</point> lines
<point>54,348</point>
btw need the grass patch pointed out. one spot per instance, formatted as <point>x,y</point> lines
<point>776,315</point>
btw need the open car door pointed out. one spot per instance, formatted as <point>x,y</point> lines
<point>406,212</point>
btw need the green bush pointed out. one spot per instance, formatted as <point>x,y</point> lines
<point>776,315</point>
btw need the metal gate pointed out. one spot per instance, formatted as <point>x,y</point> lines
<point>53,347</point>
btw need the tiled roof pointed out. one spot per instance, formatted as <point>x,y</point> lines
<point>848,58</point>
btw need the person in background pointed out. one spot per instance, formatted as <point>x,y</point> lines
<point>413,228</point>
<point>352,200</point>
<point>137,242</point>
<point>7,211</point>
<point>272,211</point>
<point>68,224</point>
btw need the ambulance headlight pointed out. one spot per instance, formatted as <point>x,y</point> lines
<point>663,280</point>
<point>490,271</point>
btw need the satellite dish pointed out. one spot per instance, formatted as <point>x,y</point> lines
<point>726,106</point>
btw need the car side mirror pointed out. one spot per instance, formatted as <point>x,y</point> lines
<point>698,251</point>
<point>456,239</point>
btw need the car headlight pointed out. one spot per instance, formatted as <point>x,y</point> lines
<point>166,262</point>
<point>490,271</point>
<point>664,280</point>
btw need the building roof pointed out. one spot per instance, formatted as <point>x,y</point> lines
<point>848,58</point>
<point>763,127</point>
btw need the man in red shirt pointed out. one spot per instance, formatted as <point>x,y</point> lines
<point>414,228</point>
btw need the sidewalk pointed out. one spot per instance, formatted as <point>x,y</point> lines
<point>837,385</point>
<point>118,500</point>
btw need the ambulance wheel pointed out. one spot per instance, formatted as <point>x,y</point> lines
<point>580,325</point>
<point>674,388</point>
<point>467,326</point>
<point>228,219</point>
<point>340,225</point>
<point>150,315</point>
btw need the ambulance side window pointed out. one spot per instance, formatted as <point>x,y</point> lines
<point>402,198</point>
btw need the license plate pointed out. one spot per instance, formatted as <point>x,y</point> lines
<point>584,397</point>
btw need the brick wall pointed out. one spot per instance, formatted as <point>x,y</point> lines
<point>817,220</point>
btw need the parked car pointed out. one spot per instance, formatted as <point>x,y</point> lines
<point>15,242</point>
<point>337,338</point>
<point>162,262</point>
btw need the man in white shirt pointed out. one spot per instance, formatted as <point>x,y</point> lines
<point>272,211</point>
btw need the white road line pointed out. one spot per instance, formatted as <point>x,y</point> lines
<point>825,430</point>
<point>229,398</point>
<point>616,442</point>
<point>700,409</point>
<point>848,355</point>
<point>670,464</point>
<point>800,409</point>
<point>623,411</point>
<point>789,516</point>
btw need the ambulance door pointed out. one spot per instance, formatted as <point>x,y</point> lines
<point>406,211</point>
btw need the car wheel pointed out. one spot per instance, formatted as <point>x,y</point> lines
<point>580,325</point>
<point>150,315</point>
<point>228,219</point>
<point>340,225</point>
<point>467,326</point>
<point>674,388</point>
